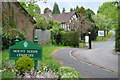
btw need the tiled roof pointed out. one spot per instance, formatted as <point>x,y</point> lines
<point>64,17</point>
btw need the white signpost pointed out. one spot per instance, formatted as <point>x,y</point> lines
<point>100,33</point>
<point>86,39</point>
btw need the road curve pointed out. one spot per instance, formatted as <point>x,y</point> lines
<point>87,71</point>
<point>101,57</point>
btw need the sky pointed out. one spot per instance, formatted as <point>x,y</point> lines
<point>68,4</point>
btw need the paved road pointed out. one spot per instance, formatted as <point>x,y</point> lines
<point>109,44</point>
<point>90,63</point>
<point>103,45</point>
<point>86,70</point>
<point>102,54</point>
<point>101,57</point>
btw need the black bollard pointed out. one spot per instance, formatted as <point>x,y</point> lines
<point>89,33</point>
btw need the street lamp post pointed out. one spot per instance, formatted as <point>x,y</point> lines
<point>89,34</point>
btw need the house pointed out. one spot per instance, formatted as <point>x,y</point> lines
<point>64,18</point>
<point>24,21</point>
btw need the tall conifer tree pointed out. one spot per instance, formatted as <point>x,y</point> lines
<point>63,10</point>
<point>56,9</point>
<point>71,10</point>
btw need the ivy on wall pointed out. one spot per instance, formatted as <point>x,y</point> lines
<point>9,28</point>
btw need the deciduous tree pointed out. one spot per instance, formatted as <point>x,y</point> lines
<point>80,25</point>
<point>109,9</point>
<point>45,10</point>
<point>102,23</point>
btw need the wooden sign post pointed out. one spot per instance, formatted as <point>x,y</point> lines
<point>35,61</point>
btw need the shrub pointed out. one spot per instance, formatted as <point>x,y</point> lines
<point>68,72</point>
<point>117,34</point>
<point>70,75</point>
<point>70,39</point>
<point>82,41</point>
<point>41,24</point>
<point>56,34</point>
<point>65,69</point>
<point>8,38</point>
<point>23,64</point>
<point>52,65</point>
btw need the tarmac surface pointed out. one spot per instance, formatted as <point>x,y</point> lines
<point>66,58</point>
<point>101,57</point>
<point>99,62</point>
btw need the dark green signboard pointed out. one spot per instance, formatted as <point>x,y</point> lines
<point>25,48</point>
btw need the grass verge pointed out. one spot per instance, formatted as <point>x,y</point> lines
<point>5,62</point>
<point>47,59</point>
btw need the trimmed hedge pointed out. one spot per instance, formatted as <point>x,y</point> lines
<point>117,35</point>
<point>70,39</point>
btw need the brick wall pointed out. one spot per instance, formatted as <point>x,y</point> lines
<point>22,19</point>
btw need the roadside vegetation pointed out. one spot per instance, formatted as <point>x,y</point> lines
<point>47,64</point>
<point>60,38</point>
<point>103,39</point>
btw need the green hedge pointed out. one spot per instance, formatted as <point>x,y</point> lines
<point>70,39</point>
<point>117,35</point>
<point>117,39</point>
<point>56,34</point>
